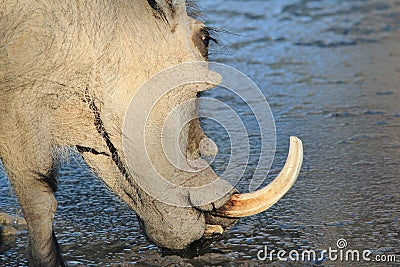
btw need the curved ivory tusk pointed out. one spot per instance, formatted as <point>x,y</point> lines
<point>242,205</point>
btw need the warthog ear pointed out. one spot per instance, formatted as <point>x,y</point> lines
<point>169,9</point>
<point>156,7</point>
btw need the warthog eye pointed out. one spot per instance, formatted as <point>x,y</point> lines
<point>205,37</point>
<point>201,39</point>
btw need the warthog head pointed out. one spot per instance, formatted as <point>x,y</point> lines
<point>73,71</point>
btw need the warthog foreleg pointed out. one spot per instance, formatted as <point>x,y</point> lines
<point>31,173</point>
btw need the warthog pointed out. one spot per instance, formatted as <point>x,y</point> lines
<point>68,70</point>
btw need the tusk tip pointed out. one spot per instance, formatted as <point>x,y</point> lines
<point>242,205</point>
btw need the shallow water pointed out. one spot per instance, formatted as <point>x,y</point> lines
<point>331,72</point>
